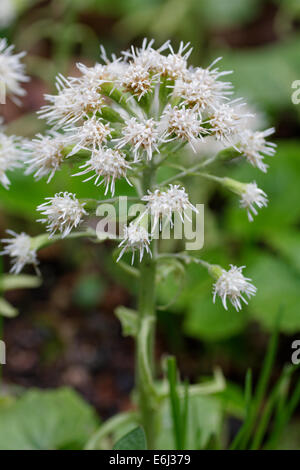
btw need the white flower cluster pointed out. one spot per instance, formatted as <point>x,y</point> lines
<point>254,146</point>
<point>127,115</point>
<point>63,212</point>
<point>47,154</point>
<point>108,164</point>
<point>135,238</point>
<point>12,70</point>
<point>233,285</point>
<point>253,195</point>
<point>11,155</point>
<point>183,124</point>
<point>139,103</point>
<point>163,204</point>
<point>141,135</point>
<point>20,250</point>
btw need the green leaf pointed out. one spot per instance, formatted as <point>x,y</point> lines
<point>54,419</point>
<point>278,285</point>
<point>287,243</point>
<point>128,319</point>
<point>134,440</point>
<point>211,321</point>
<point>6,309</point>
<point>281,183</point>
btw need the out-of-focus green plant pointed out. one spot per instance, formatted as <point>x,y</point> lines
<point>270,253</point>
<point>57,419</point>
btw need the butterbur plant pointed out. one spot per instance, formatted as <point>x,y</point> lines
<point>12,155</point>
<point>126,118</point>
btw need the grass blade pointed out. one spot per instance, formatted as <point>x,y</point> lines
<point>278,391</point>
<point>175,403</point>
<point>248,397</point>
<point>262,385</point>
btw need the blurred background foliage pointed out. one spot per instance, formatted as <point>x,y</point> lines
<point>260,41</point>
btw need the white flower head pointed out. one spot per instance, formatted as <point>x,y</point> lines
<point>211,78</point>
<point>195,94</point>
<point>63,212</point>
<point>226,120</point>
<point>46,155</point>
<point>136,80</point>
<point>12,71</point>
<point>115,66</point>
<point>135,238</point>
<point>146,56</point>
<point>251,196</point>
<point>11,155</point>
<point>185,124</point>
<point>141,135</point>
<point>233,285</point>
<point>201,88</point>
<point>92,77</point>
<point>20,250</point>
<point>163,204</point>
<point>74,102</point>
<point>174,65</point>
<point>91,134</point>
<point>254,146</point>
<point>107,166</point>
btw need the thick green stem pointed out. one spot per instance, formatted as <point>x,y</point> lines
<point>146,335</point>
<point>145,348</point>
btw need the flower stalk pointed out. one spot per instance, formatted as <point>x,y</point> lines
<point>145,341</point>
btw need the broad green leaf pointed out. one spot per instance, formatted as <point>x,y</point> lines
<point>134,440</point>
<point>210,321</point>
<point>278,285</point>
<point>287,243</point>
<point>42,420</point>
<point>281,183</point>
